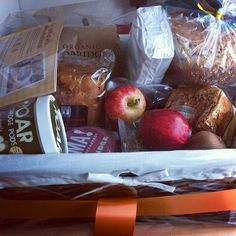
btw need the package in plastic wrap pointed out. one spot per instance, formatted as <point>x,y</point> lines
<point>150,48</point>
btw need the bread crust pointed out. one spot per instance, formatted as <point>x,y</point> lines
<point>206,53</point>
<point>212,109</point>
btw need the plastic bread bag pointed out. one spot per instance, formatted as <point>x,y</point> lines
<point>150,47</point>
<point>204,45</point>
<point>82,83</point>
<point>83,179</point>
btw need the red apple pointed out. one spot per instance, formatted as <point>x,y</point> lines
<point>164,129</point>
<point>125,102</point>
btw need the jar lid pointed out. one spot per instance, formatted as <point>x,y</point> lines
<point>50,126</point>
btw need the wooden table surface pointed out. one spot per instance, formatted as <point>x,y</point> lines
<point>140,230</point>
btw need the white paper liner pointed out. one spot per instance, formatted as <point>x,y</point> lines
<point>149,168</point>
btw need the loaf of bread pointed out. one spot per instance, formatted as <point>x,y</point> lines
<point>206,50</point>
<point>212,110</point>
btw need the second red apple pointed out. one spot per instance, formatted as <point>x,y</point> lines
<point>164,129</point>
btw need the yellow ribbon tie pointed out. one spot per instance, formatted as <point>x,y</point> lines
<point>217,14</point>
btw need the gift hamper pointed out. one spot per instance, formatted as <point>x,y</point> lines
<point>119,125</point>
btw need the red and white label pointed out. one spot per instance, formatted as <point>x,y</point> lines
<point>90,140</point>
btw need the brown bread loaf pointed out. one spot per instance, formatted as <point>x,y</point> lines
<point>212,109</point>
<point>206,52</point>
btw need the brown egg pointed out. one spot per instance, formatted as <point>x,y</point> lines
<point>204,140</point>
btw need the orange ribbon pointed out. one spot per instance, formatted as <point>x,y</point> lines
<point>118,215</point>
<point>49,209</point>
<point>115,217</point>
<point>188,203</point>
<point>154,206</point>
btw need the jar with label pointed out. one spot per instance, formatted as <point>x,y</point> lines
<point>32,127</point>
